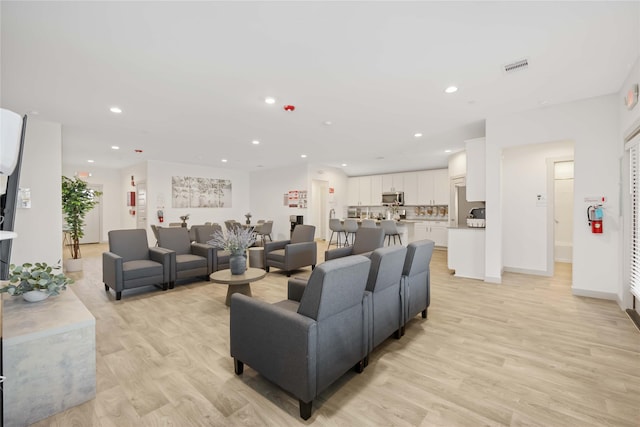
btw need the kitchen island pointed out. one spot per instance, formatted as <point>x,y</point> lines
<point>466,252</point>
<point>412,230</point>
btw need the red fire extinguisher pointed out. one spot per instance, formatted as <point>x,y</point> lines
<point>160,216</point>
<point>594,216</point>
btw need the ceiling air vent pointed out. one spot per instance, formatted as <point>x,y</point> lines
<point>523,64</point>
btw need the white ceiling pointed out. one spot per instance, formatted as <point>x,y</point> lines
<point>191,77</point>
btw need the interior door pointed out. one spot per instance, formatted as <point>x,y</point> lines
<point>141,205</point>
<point>93,220</point>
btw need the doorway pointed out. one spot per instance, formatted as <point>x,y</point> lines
<point>141,205</point>
<point>319,190</point>
<point>563,211</point>
<point>93,220</point>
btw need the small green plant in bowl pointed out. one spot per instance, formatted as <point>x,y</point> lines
<point>38,277</point>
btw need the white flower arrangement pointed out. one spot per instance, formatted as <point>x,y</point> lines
<point>236,241</point>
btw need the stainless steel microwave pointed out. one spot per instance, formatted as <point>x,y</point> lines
<point>395,198</point>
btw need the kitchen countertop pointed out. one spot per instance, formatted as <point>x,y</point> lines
<point>408,221</point>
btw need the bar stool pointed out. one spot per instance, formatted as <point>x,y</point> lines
<point>390,229</point>
<point>335,225</point>
<point>369,223</point>
<point>350,228</point>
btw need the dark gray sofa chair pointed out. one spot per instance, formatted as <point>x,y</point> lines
<point>367,240</point>
<point>131,263</point>
<point>385,294</point>
<point>220,256</point>
<point>288,255</point>
<point>188,259</point>
<point>305,346</point>
<point>416,279</point>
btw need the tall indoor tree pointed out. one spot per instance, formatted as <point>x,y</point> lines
<point>77,200</point>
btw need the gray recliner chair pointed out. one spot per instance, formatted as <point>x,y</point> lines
<point>188,259</point>
<point>416,279</point>
<point>385,294</point>
<point>131,263</point>
<point>204,233</point>
<point>366,241</point>
<point>305,346</point>
<point>288,255</point>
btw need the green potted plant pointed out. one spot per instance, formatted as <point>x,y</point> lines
<point>77,200</point>
<point>236,241</point>
<point>35,282</point>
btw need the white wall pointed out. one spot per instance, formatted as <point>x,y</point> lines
<point>39,228</point>
<point>267,190</point>
<point>158,177</point>
<point>524,220</point>
<point>112,195</point>
<point>593,125</point>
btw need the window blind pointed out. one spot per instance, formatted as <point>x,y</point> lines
<point>635,221</point>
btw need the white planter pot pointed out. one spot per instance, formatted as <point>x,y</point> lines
<point>71,265</point>
<point>35,296</point>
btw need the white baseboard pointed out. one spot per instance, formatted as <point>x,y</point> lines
<point>489,279</point>
<point>526,271</point>
<point>594,294</point>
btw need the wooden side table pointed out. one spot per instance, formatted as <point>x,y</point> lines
<point>238,283</point>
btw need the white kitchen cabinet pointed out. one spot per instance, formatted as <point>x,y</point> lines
<point>353,191</point>
<point>432,230</point>
<point>376,190</point>
<point>393,182</point>
<point>440,233</point>
<point>433,187</point>
<point>359,192</point>
<point>440,187</point>
<point>476,185</point>
<point>365,191</point>
<point>410,188</point>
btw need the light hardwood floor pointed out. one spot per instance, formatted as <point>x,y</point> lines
<point>525,352</point>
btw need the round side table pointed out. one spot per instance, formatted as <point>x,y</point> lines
<point>238,283</point>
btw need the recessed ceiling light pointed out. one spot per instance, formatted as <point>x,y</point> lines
<point>447,151</point>
<point>270,100</point>
<point>116,110</point>
<point>451,89</point>
<point>115,147</point>
<point>304,156</point>
<point>327,123</point>
<point>224,160</point>
<point>344,164</point>
<point>417,135</point>
<point>255,142</point>
<point>90,161</point>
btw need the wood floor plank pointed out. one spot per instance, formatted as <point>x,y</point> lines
<point>522,353</point>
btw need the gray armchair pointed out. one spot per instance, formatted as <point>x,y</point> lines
<point>416,279</point>
<point>188,259</point>
<point>366,241</point>
<point>204,233</point>
<point>131,263</point>
<point>288,255</point>
<point>305,346</point>
<point>385,295</point>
